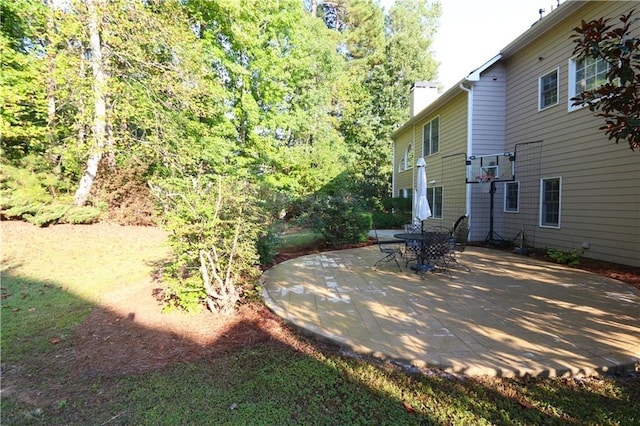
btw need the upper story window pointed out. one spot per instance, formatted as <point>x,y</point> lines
<point>586,74</point>
<point>550,194</point>
<point>431,137</point>
<point>548,90</point>
<point>406,162</point>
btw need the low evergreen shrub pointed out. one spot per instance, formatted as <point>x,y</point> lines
<point>565,257</point>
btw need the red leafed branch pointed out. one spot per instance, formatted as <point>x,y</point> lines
<point>618,100</point>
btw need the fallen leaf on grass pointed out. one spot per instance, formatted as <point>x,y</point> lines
<point>408,407</point>
<point>525,404</point>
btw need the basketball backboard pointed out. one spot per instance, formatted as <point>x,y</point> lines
<point>496,167</point>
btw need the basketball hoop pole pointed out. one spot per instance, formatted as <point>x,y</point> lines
<point>485,170</point>
<point>491,233</point>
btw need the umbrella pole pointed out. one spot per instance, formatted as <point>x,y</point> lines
<point>422,245</point>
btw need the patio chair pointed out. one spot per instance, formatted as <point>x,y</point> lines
<point>459,238</point>
<point>411,248</point>
<point>437,249</point>
<point>389,253</point>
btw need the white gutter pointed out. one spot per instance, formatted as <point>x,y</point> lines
<point>469,143</point>
<point>393,168</point>
<point>413,176</point>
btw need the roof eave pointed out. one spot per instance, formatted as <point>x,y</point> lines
<point>429,109</point>
<point>535,31</point>
<point>539,27</point>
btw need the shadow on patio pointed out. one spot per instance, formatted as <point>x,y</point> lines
<point>509,316</point>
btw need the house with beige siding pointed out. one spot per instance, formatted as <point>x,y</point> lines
<point>562,183</point>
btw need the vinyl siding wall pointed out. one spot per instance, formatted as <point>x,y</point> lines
<point>445,169</point>
<point>489,111</point>
<point>488,138</point>
<point>600,198</point>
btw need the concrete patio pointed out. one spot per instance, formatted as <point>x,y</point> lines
<point>508,316</point>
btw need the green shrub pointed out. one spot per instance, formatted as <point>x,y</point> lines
<point>21,191</point>
<point>383,220</point>
<point>82,215</point>
<point>392,213</point>
<point>565,257</point>
<point>340,219</point>
<point>214,223</point>
<point>47,215</point>
<point>267,244</point>
<point>35,198</point>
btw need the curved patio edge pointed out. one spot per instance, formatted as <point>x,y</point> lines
<point>510,316</point>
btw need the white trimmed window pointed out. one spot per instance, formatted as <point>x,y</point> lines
<point>511,197</point>
<point>550,199</point>
<point>406,162</point>
<point>548,89</point>
<point>431,137</point>
<point>586,74</point>
<point>405,193</point>
<point>434,195</point>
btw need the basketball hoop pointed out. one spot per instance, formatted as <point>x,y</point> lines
<point>485,182</point>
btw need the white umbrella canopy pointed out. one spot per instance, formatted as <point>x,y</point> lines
<point>422,209</point>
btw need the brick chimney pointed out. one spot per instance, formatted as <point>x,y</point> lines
<point>422,93</point>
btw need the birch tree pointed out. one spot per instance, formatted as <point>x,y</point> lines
<point>99,99</point>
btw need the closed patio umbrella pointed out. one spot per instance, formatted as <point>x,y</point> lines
<point>422,209</point>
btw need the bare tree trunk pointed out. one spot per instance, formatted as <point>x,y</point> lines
<point>100,117</point>
<point>80,123</point>
<point>51,80</point>
<point>110,144</point>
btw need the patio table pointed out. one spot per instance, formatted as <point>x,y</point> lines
<point>424,238</point>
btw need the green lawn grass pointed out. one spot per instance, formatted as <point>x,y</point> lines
<point>300,238</point>
<point>270,383</point>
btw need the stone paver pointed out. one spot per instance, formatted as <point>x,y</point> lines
<point>508,316</point>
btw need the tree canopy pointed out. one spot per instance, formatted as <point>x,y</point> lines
<point>287,98</point>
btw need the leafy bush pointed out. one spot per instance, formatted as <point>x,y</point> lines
<point>340,219</point>
<point>392,213</point>
<point>267,244</point>
<point>565,257</point>
<point>214,224</point>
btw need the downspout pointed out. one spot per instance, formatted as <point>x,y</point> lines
<point>413,175</point>
<point>393,169</point>
<point>469,143</point>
